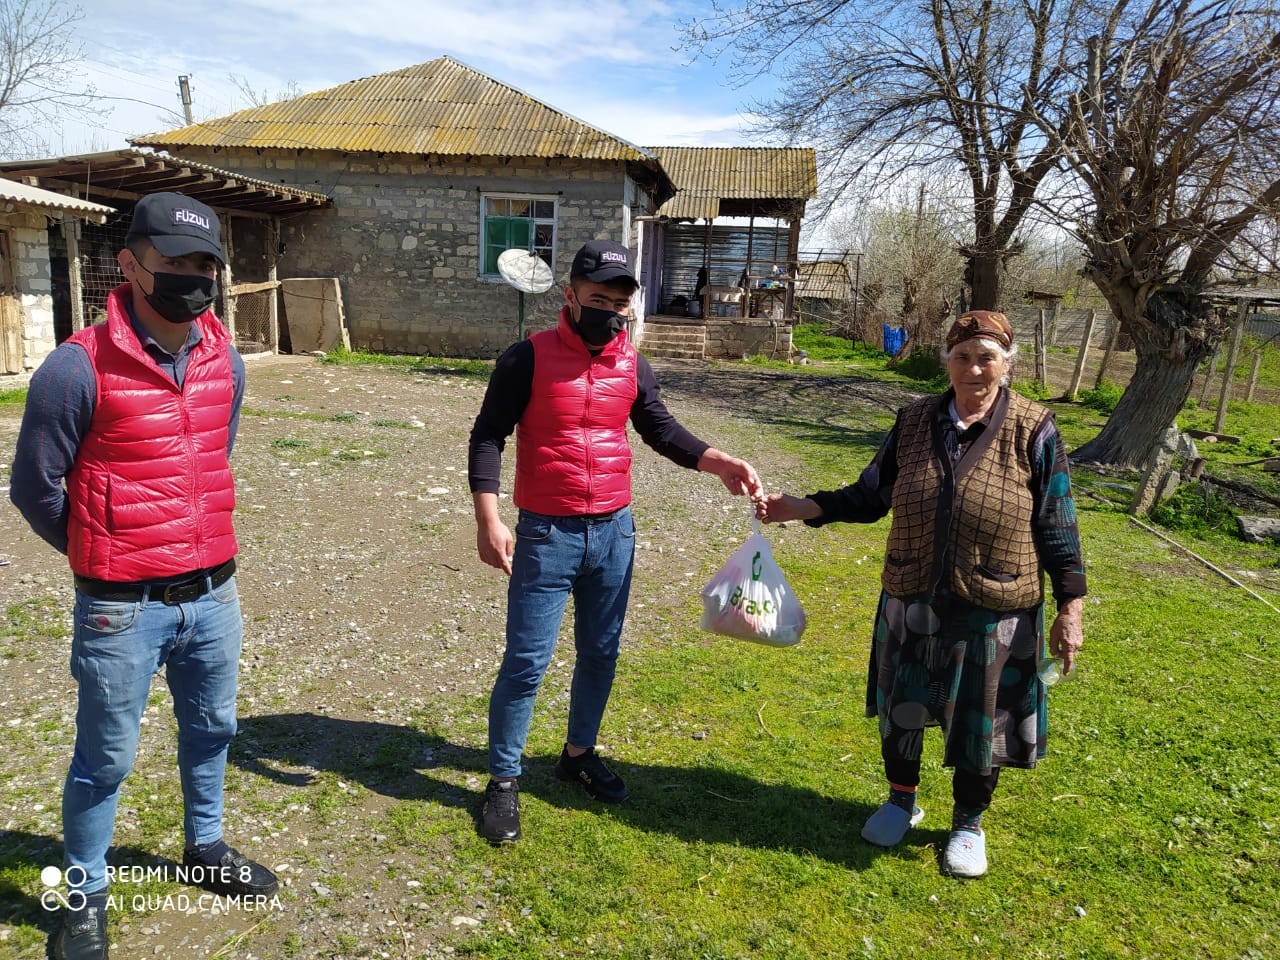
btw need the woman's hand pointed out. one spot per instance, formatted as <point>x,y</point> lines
<point>1067,634</point>
<point>781,507</point>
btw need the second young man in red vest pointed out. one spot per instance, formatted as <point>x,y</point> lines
<point>568,393</point>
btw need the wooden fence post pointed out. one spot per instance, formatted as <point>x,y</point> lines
<point>1111,348</point>
<point>1237,333</point>
<point>1253,375</point>
<point>1208,376</point>
<point>1074,389</point>
<point>1042,350</point>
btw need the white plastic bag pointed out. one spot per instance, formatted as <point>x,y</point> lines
<point>750,599</point>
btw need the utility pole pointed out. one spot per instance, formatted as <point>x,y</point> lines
<point>184,87</point>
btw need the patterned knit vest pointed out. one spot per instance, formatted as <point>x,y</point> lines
<point>975,518</point>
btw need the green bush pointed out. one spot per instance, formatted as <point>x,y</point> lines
<point>1032,389</point>
<point>1197,510</point>
<point>925,366</point>
<point>1104,398</point>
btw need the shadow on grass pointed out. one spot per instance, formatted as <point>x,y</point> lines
<point>691,804</point>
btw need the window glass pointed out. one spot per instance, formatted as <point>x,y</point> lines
<point>527,223</point>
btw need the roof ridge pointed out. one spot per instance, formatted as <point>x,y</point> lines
<point>278,112</point>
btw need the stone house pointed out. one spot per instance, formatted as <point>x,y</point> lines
<point>433,170</point>
<point>27,283</point>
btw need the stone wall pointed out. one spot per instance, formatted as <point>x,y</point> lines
<point>403,239</point>
<point>737,339</point>
<point>29,250</point>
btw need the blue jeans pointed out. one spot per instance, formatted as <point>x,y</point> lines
<point>116,648</point>
<point>556,556</point>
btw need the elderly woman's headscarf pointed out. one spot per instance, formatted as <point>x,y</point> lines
<point>981,323</point>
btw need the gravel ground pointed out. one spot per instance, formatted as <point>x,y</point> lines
<point>367,617</point>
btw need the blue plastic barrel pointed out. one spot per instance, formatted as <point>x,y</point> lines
<point>894,338</point>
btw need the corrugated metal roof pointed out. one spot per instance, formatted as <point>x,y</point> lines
<point>705,176</point>
<point>48,200</point>
<point>823,280</point>
<point>442,107</point>
<point>112,173</point>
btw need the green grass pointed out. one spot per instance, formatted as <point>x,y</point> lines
<point>413,364</point>
<point>1256,424</point>
<point>1268,370</point>
<point>13,398</point>
<point>1152,830</point>
<point>821,346</point>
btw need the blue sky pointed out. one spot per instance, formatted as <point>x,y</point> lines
<point>614,64</point>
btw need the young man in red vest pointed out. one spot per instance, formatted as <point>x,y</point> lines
<point>569,393</point>
<point>122,464</point>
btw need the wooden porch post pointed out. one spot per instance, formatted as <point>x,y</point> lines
<point>71,232</point>
<point>793,268</point>
<point>273,309</point>
<point>228,298</point>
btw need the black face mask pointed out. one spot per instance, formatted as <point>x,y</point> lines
<point>181,297</point>
<point>597,327</point>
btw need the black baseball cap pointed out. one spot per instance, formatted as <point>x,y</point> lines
<point>176,225</point>
<point>601,261</point>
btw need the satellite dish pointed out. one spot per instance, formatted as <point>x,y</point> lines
<point>525,271</point>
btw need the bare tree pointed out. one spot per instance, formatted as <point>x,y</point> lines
<point>260,98</point>
<point>886,90</point>
<point>1174,132</point>
<point>38,85</point>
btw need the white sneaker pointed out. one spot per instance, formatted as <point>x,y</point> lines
<point>966,854</point>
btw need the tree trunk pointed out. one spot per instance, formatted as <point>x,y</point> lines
<point>984,279</point>
<point>1150,402</point>
<point>1175,334</point>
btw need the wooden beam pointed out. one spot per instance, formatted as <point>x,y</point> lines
<point>1237,332</point>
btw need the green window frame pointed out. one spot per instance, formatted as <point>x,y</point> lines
<point>526,221</point>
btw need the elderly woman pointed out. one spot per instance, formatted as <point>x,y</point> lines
<point>977,481</point>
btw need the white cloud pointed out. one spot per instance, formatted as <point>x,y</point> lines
<point>611,64</point>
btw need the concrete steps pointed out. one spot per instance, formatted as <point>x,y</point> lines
<point>675,341</point>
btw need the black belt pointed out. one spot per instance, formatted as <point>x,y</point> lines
<point>171,592</point>
<point>598,516</point>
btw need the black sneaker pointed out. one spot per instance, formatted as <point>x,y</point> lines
<point>500,821</point>
<point>588,769</point>
<point>234,874</point>
<point>84,933</point>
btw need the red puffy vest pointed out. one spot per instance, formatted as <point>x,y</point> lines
<point>151,493</point>
<point>572,454</point>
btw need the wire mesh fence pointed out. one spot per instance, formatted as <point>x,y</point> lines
<point>253,321</point>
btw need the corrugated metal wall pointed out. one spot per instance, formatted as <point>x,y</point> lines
<point>683,254</point>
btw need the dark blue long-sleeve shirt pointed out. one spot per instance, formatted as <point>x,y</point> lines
<point>60,405</point>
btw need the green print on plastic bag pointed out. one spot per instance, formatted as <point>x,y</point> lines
<point>753,608</point>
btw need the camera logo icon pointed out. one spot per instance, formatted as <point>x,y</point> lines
<point>51,897</point>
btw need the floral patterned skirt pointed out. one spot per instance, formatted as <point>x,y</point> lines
<point>968,670</point>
